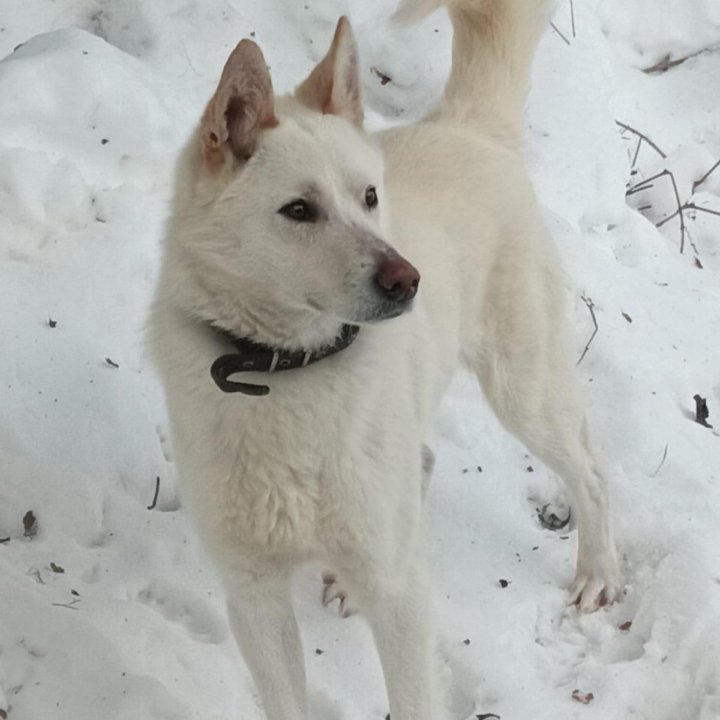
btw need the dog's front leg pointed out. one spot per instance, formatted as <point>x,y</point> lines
<point>262,619</point>
<point>401,621</point>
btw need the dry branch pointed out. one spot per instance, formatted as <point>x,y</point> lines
<point>70,606</point>
<point>662,462</point>
<point>555,28</point>
<point>678,212</point>
<point>643,184</point>
<point>692,206</point>
<point>152,505</point>
<point>699,182</point>
<point>642,136</point>
<point>664,64</point>
<point>679,209</point>
<point>591,307</point>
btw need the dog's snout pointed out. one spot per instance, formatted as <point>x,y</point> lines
<point>397,279</point>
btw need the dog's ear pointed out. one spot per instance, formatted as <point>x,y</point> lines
<point>241,107</point>
<point>333,87</point>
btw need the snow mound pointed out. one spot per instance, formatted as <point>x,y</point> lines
<point>109,609</point>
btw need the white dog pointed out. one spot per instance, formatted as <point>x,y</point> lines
<point>286,250</point>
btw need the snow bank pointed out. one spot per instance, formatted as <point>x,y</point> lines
<point>111,610</point>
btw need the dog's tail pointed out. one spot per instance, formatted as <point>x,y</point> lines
<point>493,47</point>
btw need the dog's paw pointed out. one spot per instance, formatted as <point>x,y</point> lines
<point>596,586</point>
<point>332,591</point>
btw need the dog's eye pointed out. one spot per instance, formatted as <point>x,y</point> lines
<point>299,210</point>
<point>371,199</point>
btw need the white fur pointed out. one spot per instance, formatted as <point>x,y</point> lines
<point>329,466</point>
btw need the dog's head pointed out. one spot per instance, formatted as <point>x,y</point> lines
<point>283,216</point>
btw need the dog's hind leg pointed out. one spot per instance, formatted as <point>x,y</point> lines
<point>264,625</point>
<point>531,388</point>
<point>520,352</point>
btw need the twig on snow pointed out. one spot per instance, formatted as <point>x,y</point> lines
<point>642,136</point>
<point>699,182</point>
<point>633,171</point>
<point>664,64</point>
<point>679,212</point>
<point>34,572</point>
<point>591,307</point>
<point>662,462</point>
<point>70,606</point>
<point>555,28</point>
<point>643,184</point>
<point>572,17</point>
<point>692,206</point>
<point>680,207</point>
<point>157,492</point>
<point>190,63</point>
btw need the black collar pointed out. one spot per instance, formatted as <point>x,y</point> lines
<point>254,357</point>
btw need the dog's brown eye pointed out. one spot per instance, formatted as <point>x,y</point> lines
<point>299,210</point>
<point>371,199</point>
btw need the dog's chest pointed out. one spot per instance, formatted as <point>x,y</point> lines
<point>276,474</point>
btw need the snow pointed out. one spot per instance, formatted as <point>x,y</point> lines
<point>96,103</point>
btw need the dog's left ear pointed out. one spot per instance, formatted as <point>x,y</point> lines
<point>333,87</point>
<point>242,106</point>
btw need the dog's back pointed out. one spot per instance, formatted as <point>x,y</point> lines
<point>465,208</point>
<point>462,191</point>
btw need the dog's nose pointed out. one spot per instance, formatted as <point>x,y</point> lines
<point>397,279</point>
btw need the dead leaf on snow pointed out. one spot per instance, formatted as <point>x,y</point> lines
<point>581,697</point>
<point>29,524</point>
<point>384,79</point>
<point>701,411</point>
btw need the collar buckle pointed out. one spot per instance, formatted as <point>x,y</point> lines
<point>254,357</point>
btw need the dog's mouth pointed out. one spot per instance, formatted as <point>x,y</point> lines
<point>369,313</point>
<point>385,294</point>
<point>386,310</point>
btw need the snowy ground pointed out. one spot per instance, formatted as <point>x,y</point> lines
<point>109,610</point>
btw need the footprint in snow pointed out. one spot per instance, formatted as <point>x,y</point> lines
<point>464,684</point>
<point>179,605</point>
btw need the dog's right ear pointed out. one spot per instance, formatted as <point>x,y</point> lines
<point>240,109</point>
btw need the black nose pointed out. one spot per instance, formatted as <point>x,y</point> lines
<point>397,279</point>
